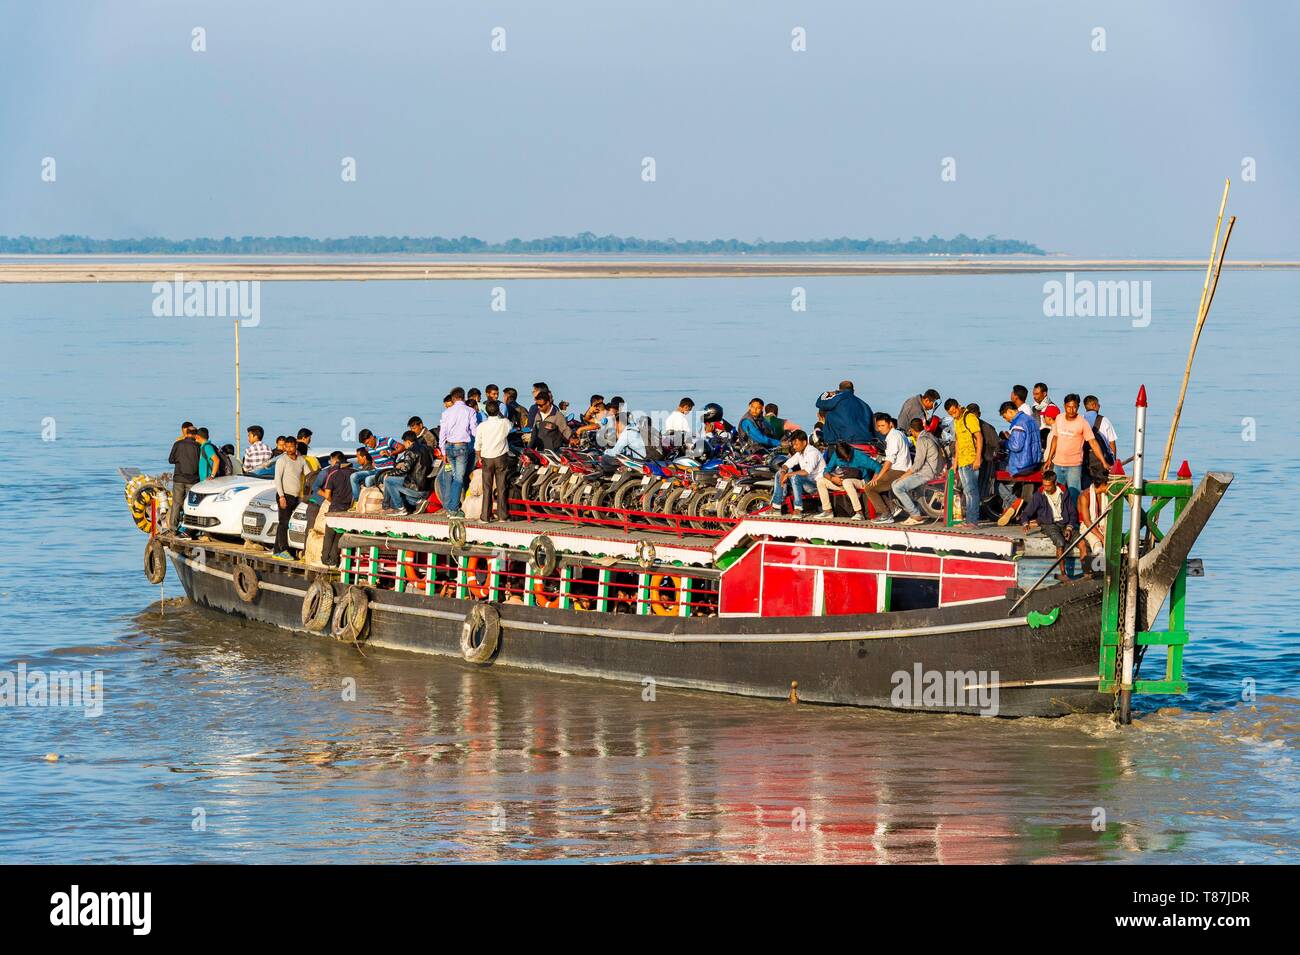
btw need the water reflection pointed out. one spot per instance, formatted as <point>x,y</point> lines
<point>437,760</point>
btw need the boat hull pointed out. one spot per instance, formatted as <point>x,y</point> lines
<point>876,660</point>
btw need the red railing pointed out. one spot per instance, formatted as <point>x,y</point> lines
<point>414,570</point>
<point>679,525</point>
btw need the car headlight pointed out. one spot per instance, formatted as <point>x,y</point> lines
<point>228,494</point>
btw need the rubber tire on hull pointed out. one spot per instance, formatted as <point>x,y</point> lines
<point>542,552</point>
<point>351,614</point>
<point>480,634</point>
<point>246,583</point>
<point>318,606</point>
<point>155,561</point>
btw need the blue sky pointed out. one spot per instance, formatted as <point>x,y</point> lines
<point>1121,152</point>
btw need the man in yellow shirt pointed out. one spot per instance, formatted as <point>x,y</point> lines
<point>967,455</point>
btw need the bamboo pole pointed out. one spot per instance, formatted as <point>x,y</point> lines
<point>1201,310</point>
<point>1196,337</point>
<point>239,434</point>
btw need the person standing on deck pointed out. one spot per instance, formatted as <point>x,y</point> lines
<point>207,454</point>
<point>898,458</point>
<point>1042,401</point>
<point>801,471</point>
<point>490,441</point>
<point>290,472</point>
<point>257,454</point>
<point>1024,452</point>
<point>920,406</point>
<point>456,439</point>
<point>337,493</point>
<point>1069,433</point>
<point>848,417</point>
<point>927,464</point>
<point>988,460</point>
<point>1020,399</point>
<point>550,428</point>
<point>677,431</point>
<point>1101,425</point>
<point>184,457</point>
<point>968,451</point>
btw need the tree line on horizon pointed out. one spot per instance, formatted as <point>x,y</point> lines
<point>588,242</point>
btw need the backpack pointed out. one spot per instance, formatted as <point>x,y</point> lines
<point>991,442</point>
<point>222,465</point>
<point>1098,471</point>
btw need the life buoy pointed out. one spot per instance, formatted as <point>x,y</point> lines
<point>456,531</point>
<point>645,553</point>
<point>350,614</point>
<point>541,597</point>
<point>155,561</point>
<point>246,583</point>
<point>543,555</point>
<point>473,567</point>
<point>317,606</point>
<point>480,634</point>
<point>660,605</point>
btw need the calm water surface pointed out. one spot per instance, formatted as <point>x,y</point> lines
<point>244,726</point>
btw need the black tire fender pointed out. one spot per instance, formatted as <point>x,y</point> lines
<point>246,583</point>
<point>456,532</point>
<point>155,561</point>
<point>480,634</point>
<point>318,606</point>
<point>645,553</point>
<point>351,614</point>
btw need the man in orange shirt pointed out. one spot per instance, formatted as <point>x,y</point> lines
<point>1065,445</point>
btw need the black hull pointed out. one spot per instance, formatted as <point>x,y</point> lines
<point>1048,671</point>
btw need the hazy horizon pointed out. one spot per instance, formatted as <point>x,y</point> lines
<point>1118,153</point>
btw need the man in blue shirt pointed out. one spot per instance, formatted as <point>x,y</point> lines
<point>629,441</point>
<point>755,427</point>
<point>848,417</point>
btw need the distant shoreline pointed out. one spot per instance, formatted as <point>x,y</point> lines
<point>39,270</point>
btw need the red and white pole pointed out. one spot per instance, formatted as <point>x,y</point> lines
<point>1134,556</point>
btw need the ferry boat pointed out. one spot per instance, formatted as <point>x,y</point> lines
<point>938,618</point>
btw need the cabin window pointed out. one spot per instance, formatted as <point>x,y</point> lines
<point>911,593</point>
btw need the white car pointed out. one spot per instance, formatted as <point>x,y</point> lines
<point>262,517</point>
<point>216,506</point>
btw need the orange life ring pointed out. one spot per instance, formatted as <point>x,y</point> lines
<point>478,590</point>
<point>659,605</point>
<point>541,597</point>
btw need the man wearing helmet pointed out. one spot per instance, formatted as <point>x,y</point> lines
<point>717,429</point>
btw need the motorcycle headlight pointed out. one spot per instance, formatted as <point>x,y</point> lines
<point>228,494</point>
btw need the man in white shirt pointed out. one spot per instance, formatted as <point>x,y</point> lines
<point>494,457</point>
<point>898,459</point>
<point>1105,430</point>
<point>801,471</point>
<point>677,431</point>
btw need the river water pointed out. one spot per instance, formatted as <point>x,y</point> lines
<point>223,742</point>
